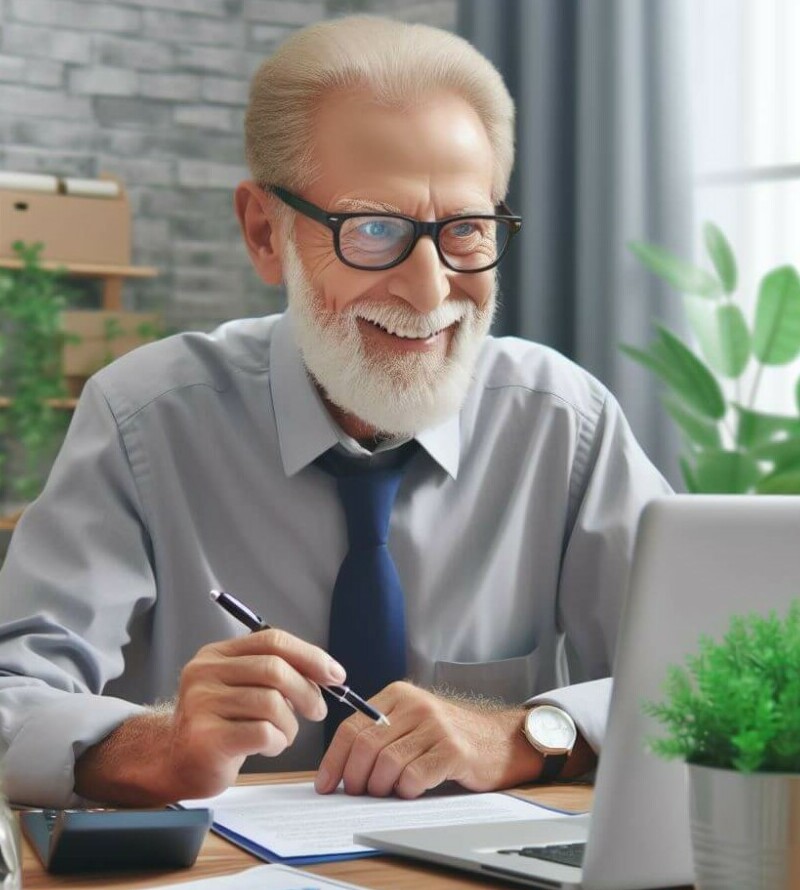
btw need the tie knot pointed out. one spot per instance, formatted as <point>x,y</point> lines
<point>367,499</point>
<point>367,495</point>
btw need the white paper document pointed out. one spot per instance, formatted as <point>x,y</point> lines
<point>266,877</point>
<point>292,820</point>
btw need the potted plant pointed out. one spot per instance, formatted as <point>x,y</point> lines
<point>729,444</point>
<point>733,714</point>
<point>46,355</point>
<point>31,385</point>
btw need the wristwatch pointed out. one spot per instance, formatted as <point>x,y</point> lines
<point>551,731</point>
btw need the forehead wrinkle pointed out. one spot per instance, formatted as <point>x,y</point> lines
<point>356,204</point>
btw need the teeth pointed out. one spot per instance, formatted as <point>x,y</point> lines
<point>402,334</point>
<point>400,324</point>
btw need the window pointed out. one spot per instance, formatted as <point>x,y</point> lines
<point>746,121</point>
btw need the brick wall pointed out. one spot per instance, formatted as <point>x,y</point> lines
<point>154,91</point>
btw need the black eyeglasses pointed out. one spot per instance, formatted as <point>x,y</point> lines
<point>376,241</point>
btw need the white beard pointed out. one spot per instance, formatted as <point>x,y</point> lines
<point>397,394</point>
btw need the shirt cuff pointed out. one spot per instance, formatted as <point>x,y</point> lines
<point>39,765</point>
<point>586,703</point>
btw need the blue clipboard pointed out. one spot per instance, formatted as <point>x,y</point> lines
<point>269,856</point>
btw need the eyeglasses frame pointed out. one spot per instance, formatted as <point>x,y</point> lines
<point>335,221</point>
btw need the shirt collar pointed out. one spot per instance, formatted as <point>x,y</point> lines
<point>305,428</point>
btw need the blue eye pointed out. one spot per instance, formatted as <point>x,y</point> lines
<point>374,239</point>
<point>380,229</point>
<point>462,230</point>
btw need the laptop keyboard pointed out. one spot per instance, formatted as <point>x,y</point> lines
<point>563,854</point>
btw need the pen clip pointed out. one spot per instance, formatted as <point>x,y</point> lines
<point>340,693</point>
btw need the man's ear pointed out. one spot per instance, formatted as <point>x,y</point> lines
<point>255,210</point>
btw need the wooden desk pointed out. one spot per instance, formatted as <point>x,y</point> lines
<point>219,857</point>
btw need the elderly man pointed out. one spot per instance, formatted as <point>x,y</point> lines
<point>276,457</point>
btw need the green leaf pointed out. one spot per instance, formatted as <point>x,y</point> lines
<point>688,375</point>
<point>780,483</point>
<point>698,430</point>
<point>681,275</point>
<point>725,472</point>
<point>692,382</point>
<point>736,704</point>
<point>722,333</point>
<point>758,428</point>
<point>721,256</point>
<point>112,329</point>
<point>776,338</point>
<point>645,358</point>
<point>784,454</point>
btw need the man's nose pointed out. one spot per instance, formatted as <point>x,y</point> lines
<point>421,279</point>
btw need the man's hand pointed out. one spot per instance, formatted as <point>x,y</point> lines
<point>236,697</point>
<point>431,740</point>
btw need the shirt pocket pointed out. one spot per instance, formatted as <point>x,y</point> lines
<point>512,680</point>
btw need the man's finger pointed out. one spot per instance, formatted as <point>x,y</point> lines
<point>391,702</point>
<point>256,703</point>
<point>425,772</point>
<point>393,760</point>
<point>245,737</point>
<point>223,675</point>
<point>306,658</point>
<point>331,768</point>
<point>373,747</point>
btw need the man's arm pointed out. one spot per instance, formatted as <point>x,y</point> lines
<point>434,739</point>
<point>236,698</point>
<point>77,570</point>
<point>609,494</point>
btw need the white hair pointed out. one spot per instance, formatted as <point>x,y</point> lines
<point>397,63</point>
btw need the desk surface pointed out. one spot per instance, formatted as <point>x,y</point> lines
<point>218,857</point>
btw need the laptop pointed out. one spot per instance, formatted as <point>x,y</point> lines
<point>699,559</point>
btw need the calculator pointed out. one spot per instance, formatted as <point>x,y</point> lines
<point>106,840</point>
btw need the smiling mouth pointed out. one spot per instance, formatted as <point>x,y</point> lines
<point>401,335</point>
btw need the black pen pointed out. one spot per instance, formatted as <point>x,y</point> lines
<point>254,622</point>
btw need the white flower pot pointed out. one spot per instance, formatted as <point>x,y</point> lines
<point>745,829</point>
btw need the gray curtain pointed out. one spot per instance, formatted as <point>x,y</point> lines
<point>601,88</point>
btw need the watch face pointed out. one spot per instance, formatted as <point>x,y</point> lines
<point>551,728</point>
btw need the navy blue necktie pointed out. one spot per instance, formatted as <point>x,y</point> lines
<point>367,620</point>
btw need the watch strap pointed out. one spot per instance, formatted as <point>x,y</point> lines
<point>553,765</point>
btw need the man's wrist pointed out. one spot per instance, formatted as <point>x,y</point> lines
<point>131,765</point>
<point>551,732</point>
<point>580,760</point>
<point>523,763</point>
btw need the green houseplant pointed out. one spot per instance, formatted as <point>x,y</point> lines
<point>31,340</point>
<point>729,445</point>
<point>733,714</point>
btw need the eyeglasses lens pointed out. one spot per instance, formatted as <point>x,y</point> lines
<point>473,243</point>
<point>374,240</point>
<point>467,243</point>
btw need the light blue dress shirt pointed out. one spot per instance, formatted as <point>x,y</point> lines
<point>188,465</point>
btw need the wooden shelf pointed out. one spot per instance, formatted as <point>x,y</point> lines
<point>8,523</point>
<point>112,276</point>
<point>90,270</point>
<point>62,404</point>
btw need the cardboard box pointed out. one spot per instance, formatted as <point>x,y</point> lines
<point>73,229</point>
<point>104,337</point>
